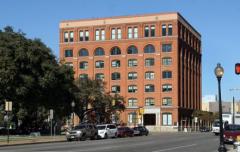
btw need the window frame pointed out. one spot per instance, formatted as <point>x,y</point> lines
<point>150,89</point>
<point>101,64</point>
<point>132,62</point>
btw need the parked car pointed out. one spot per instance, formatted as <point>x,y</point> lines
<point>125,132</point>
<point>141,130</point>
<point>204,129</point>
<point>82,132</point>
<point>107,130</point>
<point>231,132</point>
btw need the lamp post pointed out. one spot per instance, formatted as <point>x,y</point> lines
<point>219,73</point>
<point>8,109</point>
<point>73,105</point>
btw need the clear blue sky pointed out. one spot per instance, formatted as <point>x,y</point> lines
<point>218,21</point>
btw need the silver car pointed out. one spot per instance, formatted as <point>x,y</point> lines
<point>82,132</point>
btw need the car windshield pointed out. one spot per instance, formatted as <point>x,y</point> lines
<point>101,127</point>
<point>216,124</point>
<point>79,127</point>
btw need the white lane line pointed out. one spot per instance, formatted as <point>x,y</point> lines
<point>173,148</point>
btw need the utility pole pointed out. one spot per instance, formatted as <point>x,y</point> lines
<point>233,102</point>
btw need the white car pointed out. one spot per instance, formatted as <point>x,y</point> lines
<point>107,130</point>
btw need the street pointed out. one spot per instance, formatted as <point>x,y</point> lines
<point>155,142</point>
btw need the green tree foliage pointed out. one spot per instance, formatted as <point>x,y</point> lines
<point>31,77</point>
<point>93,103</point>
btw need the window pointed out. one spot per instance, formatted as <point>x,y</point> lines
<point>83,65</point>
<point>135,32</point>
<point>115,51</point>
<point>86,35</point>
<point>132,62</point>
<point>132,118</point>
<point>68,53</point>
<point>166,87</point>
<point>166,119</point>
<point>83,35</point>
<point>152,31</point>
<point>102,34</point>
<point>116,63</point>
<point>97,35</point>
<point>167,61</point>
<point>167,101</point>
<point>115,76</point>
<point>149,102</point>
<point>149,33</point>
<point>119,33</point>
<point>166,74</point>
<point>166,47</point>
<point>149,88</point>
<point>116,33</point>
<point>66,36</point>
<point>149,75</point>
<point>169,29</point>
<point>132,50</point>
<point>130,33</point>
<point>115,89</point>
<point>146,31</point>
<point>149,49</point>
<point>149,62</point>
<point>99,52</point>
<point>99,76</point>
<point>164,31</point>
<point>132,102</point>
<point>113,34</point>
<point>99,64</point>
<point>83,76</point>
<point>71,36</point>
<point>83,52</point>
<point>132,75</point>
<point>132,88</point>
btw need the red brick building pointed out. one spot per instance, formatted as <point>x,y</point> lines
<point>153,60</point>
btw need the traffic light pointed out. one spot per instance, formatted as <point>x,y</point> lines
<point>237,68</point>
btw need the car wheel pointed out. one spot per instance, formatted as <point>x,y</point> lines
<point>69,140</point>
<point>105,136</point>
<point>83,137</point>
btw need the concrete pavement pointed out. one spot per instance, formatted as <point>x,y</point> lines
<point>157,142</point>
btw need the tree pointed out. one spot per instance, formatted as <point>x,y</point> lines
<point>93,103</point>
<point>32,79</point>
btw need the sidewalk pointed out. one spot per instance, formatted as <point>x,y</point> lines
<point>19,140</point>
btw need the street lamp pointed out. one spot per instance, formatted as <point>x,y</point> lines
<point>73,105</point>
<point>219,73</point>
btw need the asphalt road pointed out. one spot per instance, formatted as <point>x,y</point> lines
<point>157,142</point>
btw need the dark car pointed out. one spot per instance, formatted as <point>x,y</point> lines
<point>141,130</point>
<point>82,131</point>
<point>204,129</point>
<point>231,132</point>
<point>125,132</point>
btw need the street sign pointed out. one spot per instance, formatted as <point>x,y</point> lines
<point>8,105</point>
<point>51,114</point>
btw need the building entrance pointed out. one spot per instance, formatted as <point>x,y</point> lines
<point>149,119</point>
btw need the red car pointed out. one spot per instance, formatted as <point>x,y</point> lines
<point>125,132</point>
<point>231,132</point>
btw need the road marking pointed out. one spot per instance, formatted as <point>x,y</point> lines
<point>173,148</point>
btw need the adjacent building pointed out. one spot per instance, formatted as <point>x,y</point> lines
<point>153,60</point>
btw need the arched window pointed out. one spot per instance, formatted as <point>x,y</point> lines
<point>149,48</point>
<point>83,52</point>
<point>115,51</point>
<point>132,50</point>
<point>99,52</point>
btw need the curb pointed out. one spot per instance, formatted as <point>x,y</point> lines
<point>31,143</point>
